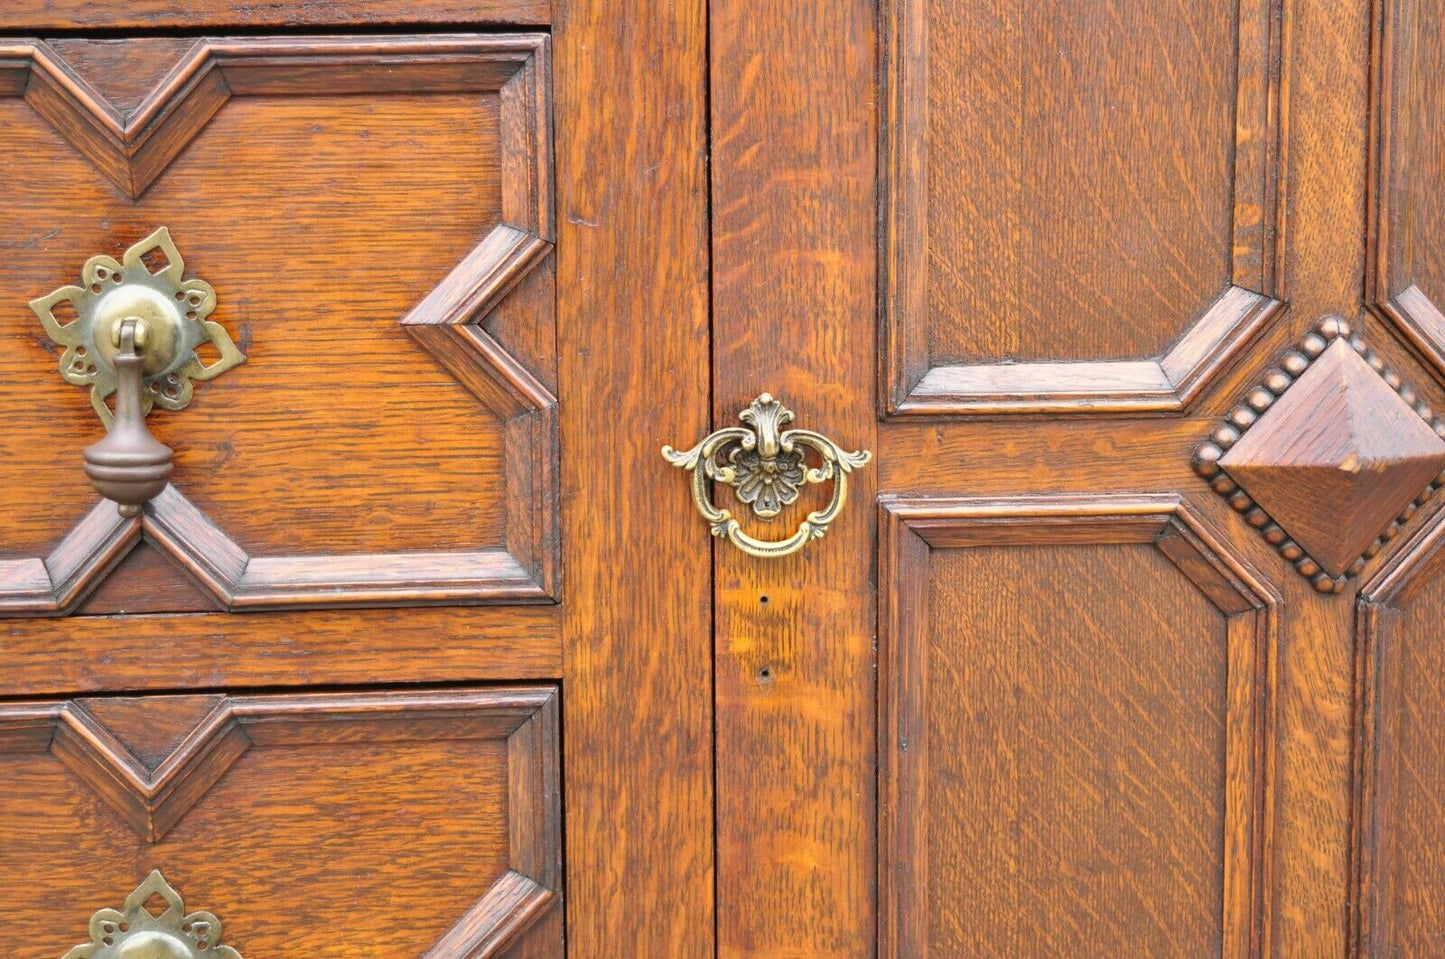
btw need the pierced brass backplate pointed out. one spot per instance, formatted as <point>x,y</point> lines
<point>172,320</point>
<point>134,932</point>
<point>765,465</point>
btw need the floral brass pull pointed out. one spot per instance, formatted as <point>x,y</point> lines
<point>765,465</point>
<point>135,332</point>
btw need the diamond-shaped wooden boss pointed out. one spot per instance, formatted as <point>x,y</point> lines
<point>1328,456</point>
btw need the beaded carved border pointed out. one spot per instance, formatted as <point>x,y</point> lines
<point>1271,387</point>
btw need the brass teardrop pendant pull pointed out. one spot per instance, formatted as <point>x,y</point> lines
<point>138,325</point>
<point>129,466</point>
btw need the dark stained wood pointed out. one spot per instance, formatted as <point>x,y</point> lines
<point>144,15</point>
<point>794,143</point>
<point>1076,186</point>
<point>287,813</point>
<point>1041,793</point>
<point>632,285</point>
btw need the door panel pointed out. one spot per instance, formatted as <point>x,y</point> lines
<point>1079,207</point>
<point>1400,908</point>
<point>1069,770</point>
<point>1398,902</point>
<point>1408,266</point>
<point>1108,236</point>
<point>395,823</point>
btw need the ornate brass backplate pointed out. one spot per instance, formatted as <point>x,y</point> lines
<point>172,313</point>
<point>134,932</point>
<point>765,466</point>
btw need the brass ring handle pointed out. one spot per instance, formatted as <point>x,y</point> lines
<point>766,467</point>
<point>135,333</point>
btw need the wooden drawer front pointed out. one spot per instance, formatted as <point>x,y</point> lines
<point>375,215</point>
<point>363,207</point>
<point>357,824</point>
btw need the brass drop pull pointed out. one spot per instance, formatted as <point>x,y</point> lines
<point>135,932</point>
<point>135,333</point>
<point>129,466</point>
<point>766,466</point>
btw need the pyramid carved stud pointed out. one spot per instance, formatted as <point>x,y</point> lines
<point>1329,456</point>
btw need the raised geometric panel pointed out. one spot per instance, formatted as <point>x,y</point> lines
<point>430,806</point>
<point>1078,773</point>
<point>1397,903</point>
<point>431,476</point>
<point>1079,202</point>
<point>1329,456</point>
<point>1406,265</point>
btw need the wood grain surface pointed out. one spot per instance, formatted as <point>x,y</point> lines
<point>1091,184</point>
<point>390,822</point>
<point>463,510</point>
<point>1030,757</point>
<point>632,282</point>
<point>793,217</point>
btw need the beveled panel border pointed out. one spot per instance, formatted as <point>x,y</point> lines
<point>152,801</point>
<point>911,385</point>
<point>134,147</point>
<point>1381,602</point>
<point>911,529</point>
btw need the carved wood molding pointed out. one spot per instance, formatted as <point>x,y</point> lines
<point>1324,435</point>
<point>154,800</point>
<point>910,381</point>
<point>1391,289</point>
<point>134,147</point>
<point>240,581</point>
<point>1376,733</point>
<point>911,529</point>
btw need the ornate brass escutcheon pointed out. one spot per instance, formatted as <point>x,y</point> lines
<point>134,932</point>
<point>765,465</point>
<point>135,333</point>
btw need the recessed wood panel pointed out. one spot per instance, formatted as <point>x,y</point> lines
<point>1399,831</point>
<point>1408,258</point>
<point>1076,782</point>
<point>338,413</point>
<point>377,825</point>
<point>1082,183</point>
<point>1067,771</point>
<point>361,206</point>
